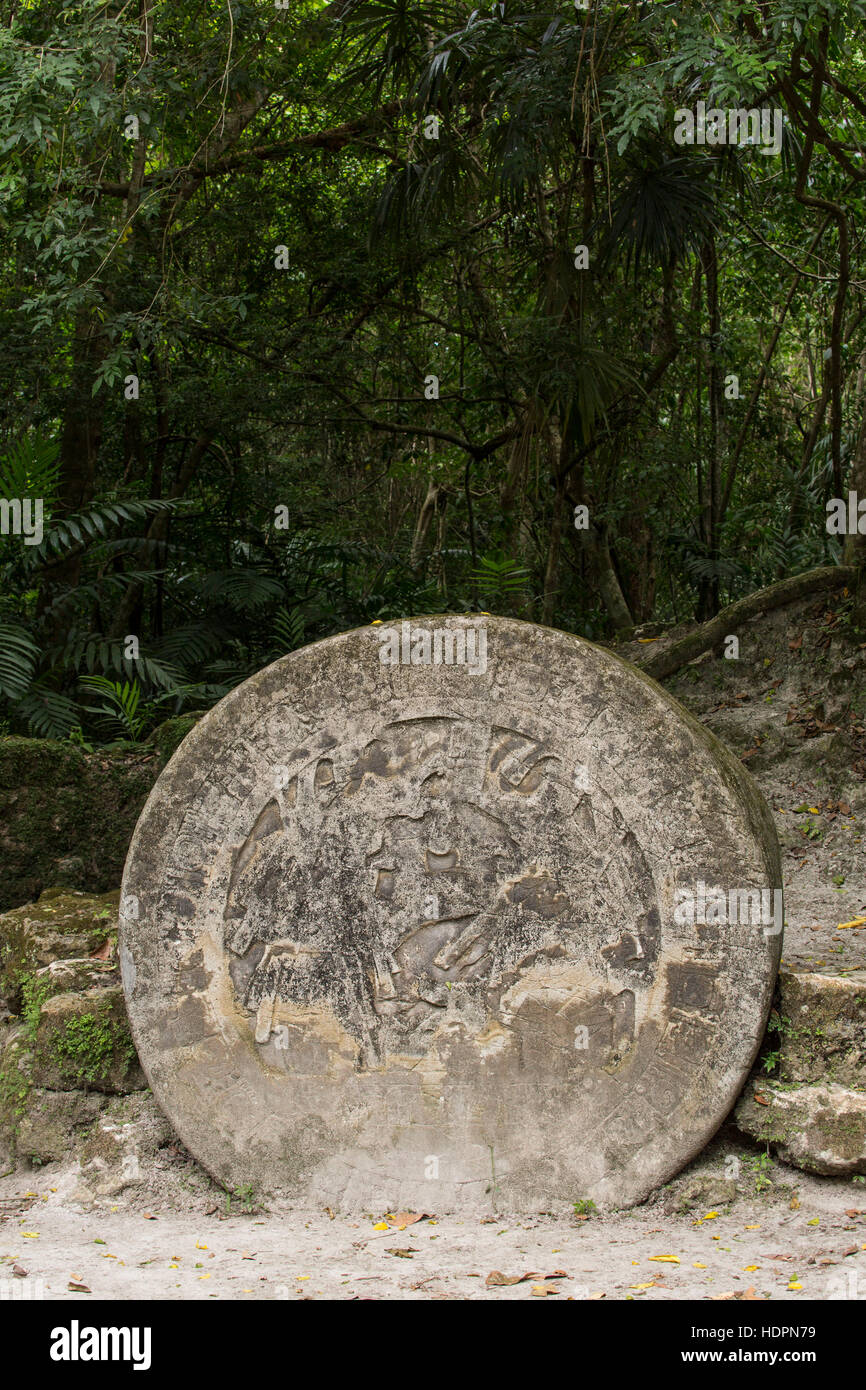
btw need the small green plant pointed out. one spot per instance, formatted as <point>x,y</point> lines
<point>762,1167</point>
<point>585,1206</point>
<point>246,1195</point>
<point>33,995</point>
<point>770,1061</point>
<point>809,830</point>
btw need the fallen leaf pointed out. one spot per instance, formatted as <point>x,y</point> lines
<point>103,953</point>
<point>30,1235</point>
<point>148,1216</point>
<point>19,1272</point>
<point>497,1279</point>
<point>696,1264</point>
<point>405,1252</point>
<point>852,1250</point>
<point>408,1218</point>
<point>77,1287</point>
<point>853,1211</point>
<point>381,1226</point>
<point>542,1290</point>
<point>666,1259</point>
<point>750,1269</point>
<point>761,1100</point>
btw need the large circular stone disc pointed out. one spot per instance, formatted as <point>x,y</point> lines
<point>396,935</point>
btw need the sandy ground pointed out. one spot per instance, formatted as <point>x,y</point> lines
<point>802,1238</point>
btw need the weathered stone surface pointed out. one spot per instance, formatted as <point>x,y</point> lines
<point>399,935</point>
<point>115,1153</point>
<point>53,1123</point>
<point>706,1190</point>
<point>822,1028</point>
<point>821,1129</point>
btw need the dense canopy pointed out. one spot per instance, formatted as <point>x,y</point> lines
<point>319,313</point>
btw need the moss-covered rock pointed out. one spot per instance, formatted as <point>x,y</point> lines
<point>67,816</point>
<point>821,1129</point>
<point>83,1043</point>
<point>61,926</point>
<point>54,1123</point>
<point>63,1023</point>
<point>168,737</point>
<point>16,1060</point>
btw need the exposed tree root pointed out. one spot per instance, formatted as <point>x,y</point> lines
<point>729,620</point>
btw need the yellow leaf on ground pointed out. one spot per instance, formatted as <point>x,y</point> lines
<point>666,1259</point>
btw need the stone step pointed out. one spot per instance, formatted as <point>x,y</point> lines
<point>822,1028</point>
<point>812,1109</point>
<point>821,1129</point>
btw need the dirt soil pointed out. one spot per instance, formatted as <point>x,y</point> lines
<point>798,1238</point>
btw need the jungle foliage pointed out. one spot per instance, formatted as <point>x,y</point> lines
<point>237,241</point>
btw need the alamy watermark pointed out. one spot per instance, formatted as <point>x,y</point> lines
<point>737,126</point>
<point>22,517</point>
<point>441,646</point>
<point>846,518</point>
<point>747,906</point>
